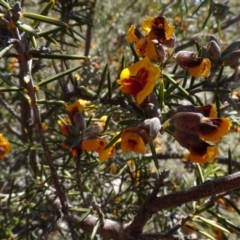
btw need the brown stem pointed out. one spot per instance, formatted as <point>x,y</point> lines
<point>207,189</point>
<point>27,82</point>
<point>128,231</point>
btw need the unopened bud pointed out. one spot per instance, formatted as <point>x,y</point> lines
<point>73,130</point>
<point>231,48</point>
<point>79,121</point>
<point>231,59</point>
<point>186,121</point>
<point>214,50</point>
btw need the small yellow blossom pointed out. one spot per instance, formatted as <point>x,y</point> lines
<point>63,124</point>
<point>5,146</point>
<point>158,28</point>
<point>132,141</point>
<point>75,107</point>
<point>196,66</point>
<point>139,79</point>
<point>98,145</point>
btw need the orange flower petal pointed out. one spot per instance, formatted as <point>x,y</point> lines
<point>196,66</point>
<point>201,70</point>
<point>105,154</point>
<point>208,111</point>
<point>5,146</point>
<point>146,47</point>
<point>202,152</point>
<point>132,35</point>
<point>93,144</point>
<point>158,28</point>
<point>75,107</point>
<point>139,79</point>
<point>213,129</point>
<point>131,141</point>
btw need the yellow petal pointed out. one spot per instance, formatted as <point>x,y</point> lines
<point>214,129</point>
<point>146,47</point>
<point>147,24</point>
<point>208,156</point>
<point>105,154</point>
<point>93,144</point>
<point>139,79</point>
<point>75,107</point>
<point>202,70</point>
<point>131,141</point>
<point>5,147</point>
<point>131,36</point>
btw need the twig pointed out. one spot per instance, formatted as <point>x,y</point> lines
<point>207,189</point>
<point>144,214</point>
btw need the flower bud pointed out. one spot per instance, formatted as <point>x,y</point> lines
<point>73,130</point>
<point>185,139</point>
<point>79,121</point>
<point>160,51</point>
<point>186,121</point>
<point>196,66</point>
<point>231,59</point>
<point>214,50</point>
<point>231,48</point>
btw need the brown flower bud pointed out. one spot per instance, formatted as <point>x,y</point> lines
<point>231,48</point>
<point>79,121</point>
<point>214,50</point>
<point>231,59</point>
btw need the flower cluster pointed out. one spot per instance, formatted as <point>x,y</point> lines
<point>158,39</point>
<point>193,130</point>
<point>139,80</point>
<point>5,146</point>
<point>89,140</point>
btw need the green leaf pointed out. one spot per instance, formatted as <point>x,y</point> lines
<point>136,57</point>
<point>10,89</point>
<point>201,232</point>
<point>51,102</point>
<point>45,19</point>
<point>161,94</point>
<point>109,85</point>
<point>26,28</point>
<point>54,77</point>
<point>196,10</point>
<point>97,224</point>
<point>83,216</point>
<point>102,80</point>
<point>229,161</point>
<point>129,122</point>
<point>224,220</point>
<point>4,4</point>
<point>58,56</point>
<point>107,122</point>
<point>172,81</point>
<point>232,205</point>
<point>207,18</point>
<point>154,154</point>
<point>5,50</point>
<point>44,11</point>
<point>49,31</point>
<point>199,173</point>
<point>114,140</point>
<point>211,223</point>
<point>204,207</point>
